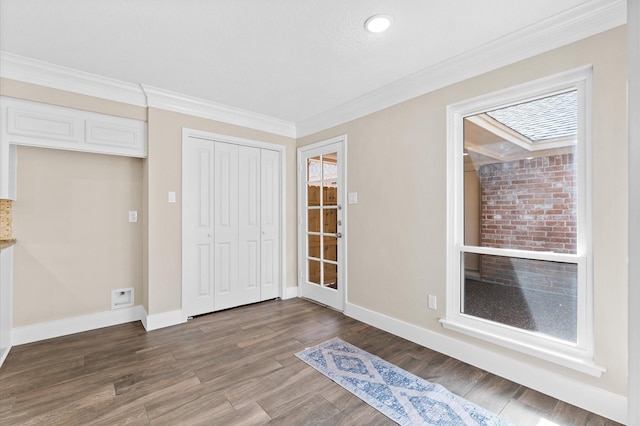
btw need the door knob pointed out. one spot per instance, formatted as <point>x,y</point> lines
<point>339,235</point>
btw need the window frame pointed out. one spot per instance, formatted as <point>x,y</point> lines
<point>577,355</point>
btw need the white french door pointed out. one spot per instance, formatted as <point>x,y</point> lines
<point>322,222</point>
<point>231,225</point>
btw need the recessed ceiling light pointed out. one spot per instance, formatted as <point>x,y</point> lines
<point>377,23</point>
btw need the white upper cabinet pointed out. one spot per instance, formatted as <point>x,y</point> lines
<point>50,126</point>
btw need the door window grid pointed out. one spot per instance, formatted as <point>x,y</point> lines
<point>322,255</point>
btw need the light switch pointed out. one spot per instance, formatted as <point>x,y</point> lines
<point>172,197</point>
<point>133,216</point>
<point>353,198</point>
<point>433,304</point>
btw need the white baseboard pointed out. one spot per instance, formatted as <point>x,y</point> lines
<point>591,398</point>
<point>63,327</point>
<point>290,293</point>
<point>4,354</point>
<point>164,319</point>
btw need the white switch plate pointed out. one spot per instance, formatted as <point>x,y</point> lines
<point>433,302</point>
<point>133,216</point>
<point>172,197</point>
<point>353,198</point>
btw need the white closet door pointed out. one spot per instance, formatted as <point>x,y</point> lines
<point>249,225</point>
<point>197,244</point>
<point>226,227</point>
<point>270,224</point>
<point>231,225</point>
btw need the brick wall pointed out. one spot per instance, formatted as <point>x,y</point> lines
<point>529,205</point>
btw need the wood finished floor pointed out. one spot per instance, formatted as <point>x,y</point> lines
<point>235,367</point>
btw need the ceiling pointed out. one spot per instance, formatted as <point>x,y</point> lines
<point>287,59</point>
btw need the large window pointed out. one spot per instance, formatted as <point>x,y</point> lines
<point>518,203</point>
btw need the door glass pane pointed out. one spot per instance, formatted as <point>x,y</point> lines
<point>314,246</point>
<point>313,220</point>
<point>329,193</point>
<point>331,248</point>
<point>330,220</point>
<point>313,195</point>
<point>331,275</point>
<point>314,272</point>
<point>533,295</point>
<point>314,169</point>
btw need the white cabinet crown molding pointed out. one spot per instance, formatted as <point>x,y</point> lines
<point>49,126</point>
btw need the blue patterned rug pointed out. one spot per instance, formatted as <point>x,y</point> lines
<point>398,394</point>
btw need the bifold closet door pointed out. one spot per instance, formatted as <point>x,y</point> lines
<point>231,232</point>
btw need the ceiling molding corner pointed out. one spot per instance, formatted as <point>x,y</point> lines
<point>28,70</point>
<point>177,102</point>
<point>574,25</point>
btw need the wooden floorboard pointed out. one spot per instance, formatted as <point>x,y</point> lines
<point>236,367</point>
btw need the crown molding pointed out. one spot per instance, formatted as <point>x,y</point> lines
<point>565,28</point>
<point>177,102</point>
<point>28,70</point>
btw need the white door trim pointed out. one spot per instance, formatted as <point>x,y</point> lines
<point>301,212</point>
<point>282,150</point>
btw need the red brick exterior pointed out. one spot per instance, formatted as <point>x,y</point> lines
<point>530,205</point>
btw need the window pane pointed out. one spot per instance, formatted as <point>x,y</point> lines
<point>313,195</point>
<point>330,275</point>
<point>314,169</point>
<point>330,194</point>
<point>314,272</point>
<point>314,246</point>
<point>533,295</point>
<point>520,188</point>
<point>331,248</point>
<point>314,220</point>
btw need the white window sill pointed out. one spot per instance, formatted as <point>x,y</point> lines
<point>575,361</point>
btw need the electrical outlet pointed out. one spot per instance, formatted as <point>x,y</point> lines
<point>433,302</point>
<point>133,216</point>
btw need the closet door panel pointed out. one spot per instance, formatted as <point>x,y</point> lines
<point>198,259</point>
<point>226,226</point>
<point>270,224</point>
<point>249,224</point>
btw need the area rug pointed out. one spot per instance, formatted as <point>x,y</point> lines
<point>398,394</point>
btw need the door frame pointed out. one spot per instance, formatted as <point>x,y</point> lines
<point>301,211</point>
<point>217,137</point>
